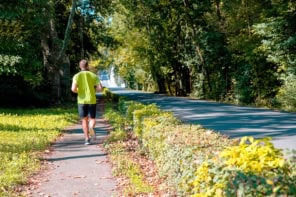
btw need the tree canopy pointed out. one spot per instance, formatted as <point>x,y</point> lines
<point>240,51</point>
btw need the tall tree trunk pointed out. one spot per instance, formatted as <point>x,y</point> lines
<point>67,31</point>
<point>161,83</point>
<point>81,37</point>
<point>158,78</point>
<point>55,61</point>
<point>65,78</point>
<point>205,71</point>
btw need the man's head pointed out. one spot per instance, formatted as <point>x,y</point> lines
<point>83,65</point>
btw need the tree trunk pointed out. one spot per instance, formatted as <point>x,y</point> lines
<point>161,84</point>
<point>65,79</point>
<point>55,61</point>
<point>206,73</point>
<point>67,31</point>
<point>81,37</point>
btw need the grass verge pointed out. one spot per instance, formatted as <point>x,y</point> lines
<point>24,133</point>
<point>130,171</point>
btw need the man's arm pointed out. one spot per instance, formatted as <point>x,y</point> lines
<point>74,87</point>
<point>99,87</point>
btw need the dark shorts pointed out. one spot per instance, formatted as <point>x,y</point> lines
<point>85,110</point>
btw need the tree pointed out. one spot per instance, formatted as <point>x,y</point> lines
<point>36,46</point>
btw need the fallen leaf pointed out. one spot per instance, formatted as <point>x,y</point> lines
<point>106,177</point>
<point>79,177</point>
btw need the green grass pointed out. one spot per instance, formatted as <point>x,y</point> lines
<point>23,134</point>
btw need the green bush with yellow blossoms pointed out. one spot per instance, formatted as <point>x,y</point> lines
<point>251,168</point>
<point>198,162</point>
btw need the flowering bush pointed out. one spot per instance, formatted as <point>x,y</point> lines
<point>195,161</point>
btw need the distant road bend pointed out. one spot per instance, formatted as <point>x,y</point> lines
<point>231,120</point>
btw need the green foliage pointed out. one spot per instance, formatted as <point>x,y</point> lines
<point>234,51</point>
<point>177,150</point>
<point>115,145</point>
<point>131,107</point>
<point>117,136</point>
<point>140,114</point>
<point>23,133</point>
<point>194,161</point>
<point>259,156</point>
<point>133,172</point>
<point>252,168</point>
<point>125,166</point>
<point>287,94</point>
<point>31,38</point>
<point>109,96</point>
<point>171,145</point>
<point>19,38</point>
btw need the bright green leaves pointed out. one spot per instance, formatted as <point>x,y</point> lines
<point>21,23</point>
<point>11,39</point>
<point>227,50</point>
<point>22,134</point>
<point>7,63</point>
<point>197,162</point>
<point>256,156</point>
<point>253,167</point>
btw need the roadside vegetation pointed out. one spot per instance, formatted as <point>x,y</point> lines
<point>193,161</point>
<point>24,135</point>
<point>240,52</point>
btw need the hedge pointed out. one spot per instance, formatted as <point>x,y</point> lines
<point>195,161</point>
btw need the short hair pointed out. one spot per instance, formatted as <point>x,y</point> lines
<point>83,64</point>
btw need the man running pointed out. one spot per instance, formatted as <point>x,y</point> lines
<point>86,84</point>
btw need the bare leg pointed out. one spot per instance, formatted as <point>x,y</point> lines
<point>85,127</point>
<point>92,122</point>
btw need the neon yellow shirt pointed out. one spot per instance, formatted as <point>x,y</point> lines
<point>86,82</point>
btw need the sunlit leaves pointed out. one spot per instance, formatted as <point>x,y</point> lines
<point>253,167</point>
<point>194,161</point>
<point>287,93</point>
<point>7,63</point>
<point>22,134</point>
<point>259,156</point>
<point>21,23</point>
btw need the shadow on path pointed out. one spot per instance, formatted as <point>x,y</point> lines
<point>75,169</point>
<point>76,157</point>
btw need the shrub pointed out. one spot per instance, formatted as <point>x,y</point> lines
<point>109,96</point>
<point>252,168</point>
<point>287,94</point>
<point>117,135</point>
<point>194,161</point>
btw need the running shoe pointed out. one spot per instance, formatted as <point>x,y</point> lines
<point>87,142</point>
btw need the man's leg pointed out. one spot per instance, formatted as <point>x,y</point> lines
<point>83,113</point>
<point>85,128</point>
<point>92,120</point>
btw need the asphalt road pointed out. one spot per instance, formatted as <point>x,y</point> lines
<point>234,121</point>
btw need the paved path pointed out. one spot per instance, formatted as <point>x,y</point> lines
<point>76,169</point>
<point>231,120</point>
